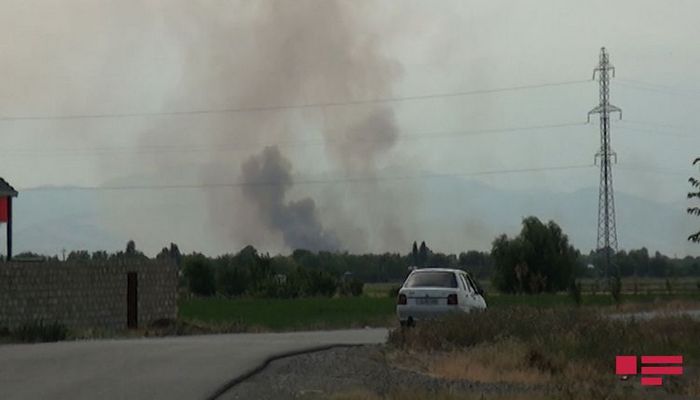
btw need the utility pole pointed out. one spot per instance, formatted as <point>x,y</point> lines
<point>607,234</point>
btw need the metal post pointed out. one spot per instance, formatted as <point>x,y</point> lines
<point>9,228</point>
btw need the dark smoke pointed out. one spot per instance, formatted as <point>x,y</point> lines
<point>269,177</point>
<point>286,52</point>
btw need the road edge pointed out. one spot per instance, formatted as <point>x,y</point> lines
<point>267,361</point>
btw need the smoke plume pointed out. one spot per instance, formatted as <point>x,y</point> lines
<point>251,54</point>
<point>307,51</point>
<point>270,177</point>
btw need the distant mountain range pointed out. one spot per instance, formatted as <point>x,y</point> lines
<point>640,222</point>
<point>457,214</point>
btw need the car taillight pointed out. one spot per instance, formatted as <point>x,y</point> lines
<point>452,300</point>
<point>402,299</point>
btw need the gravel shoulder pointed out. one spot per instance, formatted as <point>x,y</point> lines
<point>320,375</point>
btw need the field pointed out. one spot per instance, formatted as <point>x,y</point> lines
<point>647,285</point>
<point>294,314</point>
<point>376,308</point>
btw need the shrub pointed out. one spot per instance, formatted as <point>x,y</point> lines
<point>575,292</point>
<point>616,289</point>
<point>272,288</point>
<point>393,292</point>
<point>231,281</point>
<point>39,331</point>
<point>321,283</point>
<point>352,287</point>
<point>356,287</point>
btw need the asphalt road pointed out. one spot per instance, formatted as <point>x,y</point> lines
<point>188,367</point>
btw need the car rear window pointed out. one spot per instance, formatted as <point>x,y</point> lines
<point>432,279</point>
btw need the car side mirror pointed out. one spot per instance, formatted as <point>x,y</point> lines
<point>480,292</point>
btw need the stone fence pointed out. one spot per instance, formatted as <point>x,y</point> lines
<point>111,295</point>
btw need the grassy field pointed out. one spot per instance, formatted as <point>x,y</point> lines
<point>376,308</point>
<point>293,314</point>
<point>646,285</point>
<point>600,299</point>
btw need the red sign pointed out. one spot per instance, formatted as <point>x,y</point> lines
<point>651,365</point>
<point>3,209</point>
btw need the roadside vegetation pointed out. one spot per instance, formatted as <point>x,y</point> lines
<point>35,332</point>
<point>566,352</point>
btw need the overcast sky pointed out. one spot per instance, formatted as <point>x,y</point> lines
<point>128,57</point>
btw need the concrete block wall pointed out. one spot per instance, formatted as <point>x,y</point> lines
<point>85,295</point>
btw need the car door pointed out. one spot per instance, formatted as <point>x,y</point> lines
<point>468,293</point>
<point>478,299</point>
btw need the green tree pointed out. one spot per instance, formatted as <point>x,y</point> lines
<point>131,252</point>
<point>414,254</point>
<point>172,254</point>
<point>695,237</point>
<point>100,255</point>
<point>28,254</point>
<point>480,264</point>
<point>539,259</point>
<point>423,254</point>
<point>130,248</point>
<point>78,256</point>
<point>231,281</point>
<point>200,275</point>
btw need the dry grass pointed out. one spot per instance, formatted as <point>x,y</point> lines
<point>568,351</point>
<point>659,305</point>
<point>693,387</point>
<point>442,395</point>
<point>505,361</point>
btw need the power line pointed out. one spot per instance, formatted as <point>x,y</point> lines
<point>655,125</point>
<point>317,181</point>
<point>654,170</point>
<point>156,149</point>
<point>290,107</point>
<point>350,180</point>
<point>652,87</point>
<point>655,132</point>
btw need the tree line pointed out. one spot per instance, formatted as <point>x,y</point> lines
<point>540,258</point>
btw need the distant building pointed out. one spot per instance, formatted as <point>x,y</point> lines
<point>7,192</point>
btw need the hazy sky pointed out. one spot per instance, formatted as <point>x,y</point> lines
<point>123,57</point>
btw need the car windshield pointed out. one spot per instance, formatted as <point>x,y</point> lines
<point>432,279</point>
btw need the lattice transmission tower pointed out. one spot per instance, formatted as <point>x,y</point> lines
<point>607,234</point>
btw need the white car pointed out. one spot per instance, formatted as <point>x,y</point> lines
<point>431,292</point>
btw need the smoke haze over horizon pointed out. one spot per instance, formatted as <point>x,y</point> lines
<point>131,57</point>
